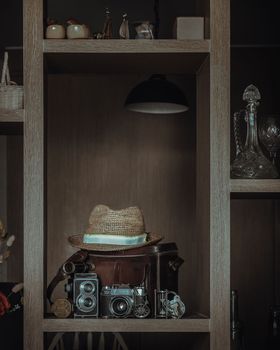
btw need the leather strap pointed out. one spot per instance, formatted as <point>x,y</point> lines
<point>79,257</point>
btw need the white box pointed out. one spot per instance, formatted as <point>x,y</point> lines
<point>191,28</point>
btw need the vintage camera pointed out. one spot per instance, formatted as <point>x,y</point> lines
<point>69,269</point>
<point>121,301</point>
<point>85,295</point>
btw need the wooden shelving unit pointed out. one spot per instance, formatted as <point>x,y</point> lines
<point>254,218</point>
<point>81,148</point>
<point>85,134</point>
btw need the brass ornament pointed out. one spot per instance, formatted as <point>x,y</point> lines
<point>61,308</point>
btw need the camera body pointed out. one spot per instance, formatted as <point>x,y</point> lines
<point>86,295</point>
<point>122,301</point>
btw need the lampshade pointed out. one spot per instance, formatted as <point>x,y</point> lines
<point>156,95</point>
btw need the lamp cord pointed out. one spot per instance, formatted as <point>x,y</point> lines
<point>157,20</point>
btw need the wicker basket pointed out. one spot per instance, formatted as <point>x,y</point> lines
<point>11,94</point>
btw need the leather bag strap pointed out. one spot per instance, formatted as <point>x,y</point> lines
<point>61,275</point>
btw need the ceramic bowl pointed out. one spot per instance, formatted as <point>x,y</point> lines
<point>77,31</point>
<point>55,31</point>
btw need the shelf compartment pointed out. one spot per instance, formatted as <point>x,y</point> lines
<point>145,63</point>
<point>255,186</point>
<point>129,56</point>
<point>16,116</point>
<point>255,263</point>
<point>11,122</point>
<point>126,325</point>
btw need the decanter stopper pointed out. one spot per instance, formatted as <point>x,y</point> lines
<point>252,96</point>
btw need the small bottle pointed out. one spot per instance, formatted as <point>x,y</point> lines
<point>124,28</point>
<point>236,326</point>
<point>107,28</point>
<point>274,328</point>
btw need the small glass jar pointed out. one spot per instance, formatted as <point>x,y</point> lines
<point>144,30</point>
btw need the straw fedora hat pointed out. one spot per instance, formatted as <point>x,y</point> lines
<point>113,230</point>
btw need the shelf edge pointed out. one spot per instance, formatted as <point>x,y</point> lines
<point>12,116</point>
<point>126,325</point>
<point>125,46</point>
<point>255,186</point>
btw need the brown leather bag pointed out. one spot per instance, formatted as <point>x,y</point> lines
<point>154,266</point>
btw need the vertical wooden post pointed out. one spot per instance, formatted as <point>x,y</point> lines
<point>3,196</point>
<point>220,174</point>
<point>276,261</point>
<point>33,173</point>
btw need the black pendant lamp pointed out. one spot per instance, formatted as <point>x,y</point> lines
<point>156,95</point>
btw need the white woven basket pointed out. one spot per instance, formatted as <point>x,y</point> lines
<point>11,94</point>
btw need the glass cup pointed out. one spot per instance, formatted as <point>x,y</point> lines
<point>269,134</point>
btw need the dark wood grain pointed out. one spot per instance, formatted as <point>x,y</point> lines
<point>276,253</point>
<point>252,265</point>
<point>219,174</point>
<point>255,186</point>
<point>115,63</point>
<point>202,279</point>
<point>15,206</point>
<point>126,325</point>
<point>126,46</point>
<point>33,174</point>
<point>3,195</point>
<point>11,116</point>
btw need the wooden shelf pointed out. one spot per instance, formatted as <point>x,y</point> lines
<point>255,186</point>
<point>126,325</point>
<point>11,122</point>
<point>126,46</point>
<point>129,56</point>
<point>255,46</point>
<point>12,116</point>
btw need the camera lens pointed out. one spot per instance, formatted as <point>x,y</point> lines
<point>68,268</point>
<point>86,304</point>
<point>120,307</point>
<point>87,287</point>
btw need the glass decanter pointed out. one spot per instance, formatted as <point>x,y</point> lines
<point>250,162</point>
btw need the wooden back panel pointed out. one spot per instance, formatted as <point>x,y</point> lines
<point>100,153</point>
